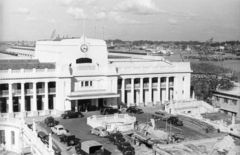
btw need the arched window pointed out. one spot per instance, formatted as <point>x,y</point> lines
<point>83,60</point>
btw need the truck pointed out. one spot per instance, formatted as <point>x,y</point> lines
<point>59,130</point>
<point>91,147</point>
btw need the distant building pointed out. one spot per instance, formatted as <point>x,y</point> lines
<point>77,74</point>
<point>228,101</point>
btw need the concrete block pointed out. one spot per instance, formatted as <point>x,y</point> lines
<point>150,104</point>
<point>46,112</point>
<point>11,115</point>
<point>34,113</point>
<point>24,114</point>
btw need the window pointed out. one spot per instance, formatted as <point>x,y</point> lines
<point>225,100</point>
<point>183,78</point>
<point>2,136</point>
<point>13,137</point>
<point>86,83</point>
<point>234,102</point>
<point>90,83</point>
<point>83,60</point>
<point>82,84</point>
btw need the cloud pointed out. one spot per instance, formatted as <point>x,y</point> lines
<point>21,11</point>
<point>188,15</point>
<point>74,2</point>
<point>99,13</point>
<point>141,7</point>
<point>172,22</point>
<point>30,18</point>
<point>76,13</point>
<point>52,20</point>
<point>120,19</point>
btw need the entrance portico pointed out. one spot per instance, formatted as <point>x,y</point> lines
<point>92,101</point>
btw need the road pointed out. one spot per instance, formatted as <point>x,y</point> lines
<point>79,127</point>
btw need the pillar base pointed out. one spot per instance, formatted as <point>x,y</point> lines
<point>132,104</point>
<point>158,103</point>
<point>150,104</point>
<point>24,114</point>
<point>46,112</point>
<point>11,115</point>
<point>141,104</point>
<point>34,113</point>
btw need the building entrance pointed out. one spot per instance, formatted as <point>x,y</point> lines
<point>84,105</point>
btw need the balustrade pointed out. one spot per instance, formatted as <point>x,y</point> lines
<point>52,90</point>
<point>137,85</point>
<point>41,90</point>
<point>154,85</point>
<point>16,91</point>
<point>3,92</point>
<point>28,91</point>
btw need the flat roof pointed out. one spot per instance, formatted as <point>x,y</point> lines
<point>235,91</point>
<point>92,96</point>
<point>16,64</point>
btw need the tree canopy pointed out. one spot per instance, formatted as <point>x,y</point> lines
<point>207,77</point>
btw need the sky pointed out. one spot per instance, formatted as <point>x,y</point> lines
<point>156,20</point>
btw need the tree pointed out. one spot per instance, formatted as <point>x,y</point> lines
<point>207,77</point>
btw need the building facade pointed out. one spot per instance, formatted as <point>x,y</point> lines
<point>76,74</point>
<point>80,74</point>
<point>228,101</point>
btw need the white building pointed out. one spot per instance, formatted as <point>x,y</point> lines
<point>80,74</point>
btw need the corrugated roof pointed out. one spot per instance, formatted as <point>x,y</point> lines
<point>24,64</point>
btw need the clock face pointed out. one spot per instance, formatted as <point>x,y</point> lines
<point>84,48</point>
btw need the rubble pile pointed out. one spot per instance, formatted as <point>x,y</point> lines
<point>226,146</point>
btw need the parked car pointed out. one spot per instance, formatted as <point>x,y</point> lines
<point>175,121</point>
<point>50,121</point>
<point>71,114</point>
<point>134,109</point>
<point>114,137</point>
<point>59,130</point>
<point>126,146</point>
<point>161,114</point>
<point>119,140</point>
<point>100,131</point>
<point>68,139</point>
<point>42,135</point>
<point>109,110</point>
<point>128,151</point>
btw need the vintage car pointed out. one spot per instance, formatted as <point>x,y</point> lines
<point>114,137</point>
<point>99,131</point>
<point>68,139</point>
<point>71,114</point>
<point>134,109</point>
<point>59,130</point>
<point>126,146</point>
<point>109,110</point>
<point>50,121</point>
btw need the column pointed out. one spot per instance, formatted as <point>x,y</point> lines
<point>141,90</point>
<point>159,89</point>
<point>10,98</point>
<point>46,97</point>
<point>132,90</point>
<point>22,97</point>
<point>150,89</point>
<point>123,91</point>
<point>76,105</point>
<point>34,104</point>
<point>167,88</point>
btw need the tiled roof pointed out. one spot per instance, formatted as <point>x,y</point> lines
<point>24,64</point>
